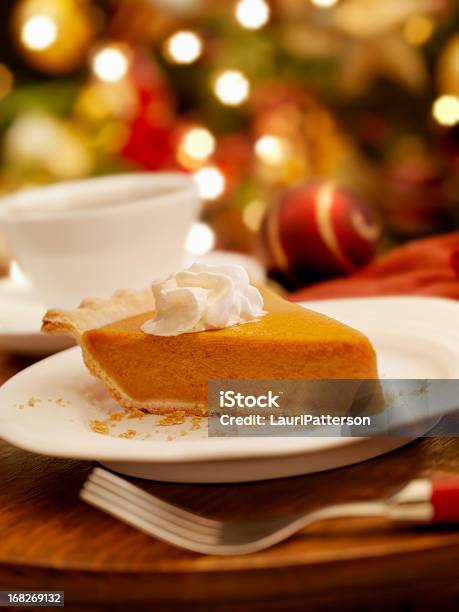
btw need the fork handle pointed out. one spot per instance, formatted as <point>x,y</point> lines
<point>426,501</point>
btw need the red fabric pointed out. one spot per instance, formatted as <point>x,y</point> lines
<point>428,267</point>
<point>445,501</point>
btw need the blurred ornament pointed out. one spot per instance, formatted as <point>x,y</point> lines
<point>376,47</point>
<point>418,29</point>
<point>40,142</point>
<point>150,132</point>
<point>414,198</point>
<point>53,35</point>
<point>388,55</point>
<point>369,18</point>
<point>295,136</point>
<point>317,231</point>
<point>98,101</point>
<point>364,37</point>
<point>448,68</point>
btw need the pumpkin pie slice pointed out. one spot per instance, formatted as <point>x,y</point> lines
<point>160,374</point>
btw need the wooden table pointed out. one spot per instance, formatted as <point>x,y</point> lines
<point>51,540</point>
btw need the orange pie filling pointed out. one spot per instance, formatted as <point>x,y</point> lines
<point>163,374</point>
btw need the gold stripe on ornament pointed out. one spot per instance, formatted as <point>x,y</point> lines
<point>323,208</point>
<point>365,229</point>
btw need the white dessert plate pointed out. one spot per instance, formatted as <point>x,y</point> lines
<point>21,311</point>
<point>56,408</point>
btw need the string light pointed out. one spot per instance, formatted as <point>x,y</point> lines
<point>200,240</point>
<point>183,47</point>
<point>445,110</point>
<point>418,29</point>
<point>198,143</point>
<point>211,182</point>
<point>38,33</point>
<point>232,87</point>
<point>271,150</point>
<point>252,14</point>
<point>324,3</point>
<point>110,64</point>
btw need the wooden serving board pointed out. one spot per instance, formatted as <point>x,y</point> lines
<point>51,540</point>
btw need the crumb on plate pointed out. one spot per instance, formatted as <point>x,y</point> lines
<point>62,402</point>
<point>174,418</point>
<point>116,416</point>
<point>195,423</point>
<point>130,433</point>
<point>99,427</point>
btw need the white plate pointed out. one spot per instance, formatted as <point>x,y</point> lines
<point>412,337</point>
<point>21,311</point>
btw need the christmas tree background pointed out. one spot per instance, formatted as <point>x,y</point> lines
<point>250,96</point>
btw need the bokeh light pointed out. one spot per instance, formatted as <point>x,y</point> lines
<point>38,33</point>
<point>110,64</point>
<point>271,150</point>
<point>252,14</point>
<point>445,110</point>
<point>200,239</point>
<point>198,143</point>
<point>324,3</point>
<point>232,87</point>
<point>183,47</point>
<point>211,182</point>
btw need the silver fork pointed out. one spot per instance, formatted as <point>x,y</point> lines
<point>188,530</point>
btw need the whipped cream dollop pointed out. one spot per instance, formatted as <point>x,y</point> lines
<point>204,297</point>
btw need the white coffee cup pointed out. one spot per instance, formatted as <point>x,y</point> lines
<point>91,237</point>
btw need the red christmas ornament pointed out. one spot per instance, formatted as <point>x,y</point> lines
<point>150,141</point>
<point>318,231</point>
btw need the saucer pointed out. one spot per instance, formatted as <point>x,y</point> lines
<point>21,311</point>
<point>20,319</point>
